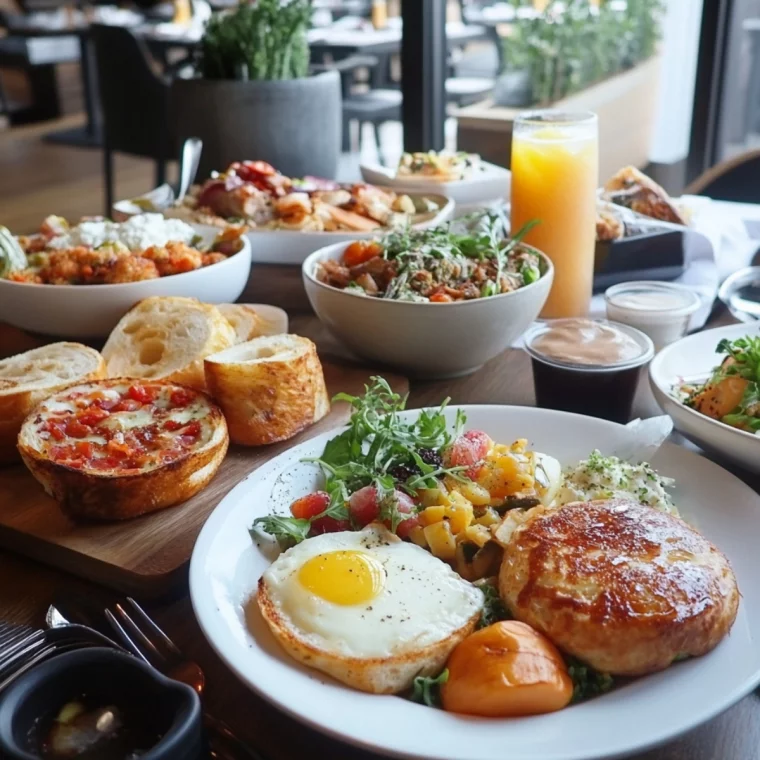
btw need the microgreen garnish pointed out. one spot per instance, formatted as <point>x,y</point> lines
<point>494,609</point>
<point>427,691</point>
<point>587,682</point>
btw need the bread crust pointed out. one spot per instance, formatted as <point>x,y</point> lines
<point>19,397</point>
<point>270,400</point>
<point>377,675</point>
<point>624,587</point>
<point>146,343</point>
<point>112,496</point>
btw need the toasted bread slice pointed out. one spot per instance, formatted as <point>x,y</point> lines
<point>101,465</point>
<point>167,338</point>
<point>28,378</point>
<point>269,388</point>
<point>245,321</point>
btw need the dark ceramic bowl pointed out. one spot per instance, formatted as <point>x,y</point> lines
<point>170,709</point>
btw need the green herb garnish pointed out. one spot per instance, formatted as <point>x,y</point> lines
<point>587,682</point>
<point>427,691</point>
<point>287,530</point>
<point>494,609</point>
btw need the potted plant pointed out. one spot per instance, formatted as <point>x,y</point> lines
<point>572,45</point>
<point>252,96</point>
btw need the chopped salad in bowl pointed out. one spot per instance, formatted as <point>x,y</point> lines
<point>438,265</point>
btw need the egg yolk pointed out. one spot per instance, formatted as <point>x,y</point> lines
<point>507,669</point>
<point>343,577</point>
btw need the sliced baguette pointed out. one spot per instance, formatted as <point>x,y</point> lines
<point>269,388</point>
<point>245,321</point>
<point>121,492</point>
<point>167,338</point>
<point>28,378</point>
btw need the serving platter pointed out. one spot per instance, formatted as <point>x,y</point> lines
<point>226,565</point>
<point>149,555</point>
<point>291,247</point>
<point>692,359</point>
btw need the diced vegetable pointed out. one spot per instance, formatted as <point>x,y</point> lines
<point>441,540</point>
<point>432,515</point>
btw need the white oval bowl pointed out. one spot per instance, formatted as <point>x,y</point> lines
<point>226,565</point>
<point>425,339</point>
<point>92,311</point>
<point>695,356</point>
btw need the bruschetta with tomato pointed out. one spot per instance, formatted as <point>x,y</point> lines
<point>118,448</point>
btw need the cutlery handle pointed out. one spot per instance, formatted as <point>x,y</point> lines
<point>232,748</point>
<point>188,166</point>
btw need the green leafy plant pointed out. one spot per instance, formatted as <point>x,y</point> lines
<point>264,40</point>
<point>572,45</point>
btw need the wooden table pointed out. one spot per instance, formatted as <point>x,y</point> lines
<point>26,588</point>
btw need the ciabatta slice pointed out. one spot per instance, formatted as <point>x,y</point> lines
<point>245,321</point>
<point>28,378</point>
<point>167,338</point>
<point>269,388</point>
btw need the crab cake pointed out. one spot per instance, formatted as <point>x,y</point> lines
<point>624,587</point>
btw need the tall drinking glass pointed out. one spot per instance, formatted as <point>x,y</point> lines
<point>555,173</point>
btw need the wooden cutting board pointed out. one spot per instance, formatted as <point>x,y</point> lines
<point>147,556</point>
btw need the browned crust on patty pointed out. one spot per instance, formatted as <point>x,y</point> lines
<point>622,586</point>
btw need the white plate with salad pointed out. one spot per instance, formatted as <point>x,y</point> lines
<point>426,453</point>
<point>709,384</point>
<point>461,176</point>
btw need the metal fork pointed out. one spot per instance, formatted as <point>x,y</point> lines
<point>162,654</point>
<point>141,636</point>
<point>21,648</point>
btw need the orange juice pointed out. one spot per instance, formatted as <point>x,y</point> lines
<point>555,168</point>
<point>183,13</point>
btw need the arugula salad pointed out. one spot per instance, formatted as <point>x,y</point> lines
<point>468,259</point>
<point>732,392</point>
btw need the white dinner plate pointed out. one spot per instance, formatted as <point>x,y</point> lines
<point>488,184</point>
<point>227,564</point>
<point>692,359</point>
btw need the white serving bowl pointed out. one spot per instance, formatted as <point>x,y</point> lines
<point>92,311</point>
<point>424,339</point>
<point>692,358</point>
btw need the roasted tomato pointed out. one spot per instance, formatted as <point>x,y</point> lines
<point>504,670</point>
<point>469,450</point>
<point>310,506</point>
<point>364,509</point>
<point>360,251</point>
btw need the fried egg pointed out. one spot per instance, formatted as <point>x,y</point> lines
<point>367,608</point>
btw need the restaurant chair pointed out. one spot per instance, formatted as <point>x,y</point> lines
<point>464,91</point>
<point>735,179</point>
<point>135,103</point>
<point>374,107</point>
